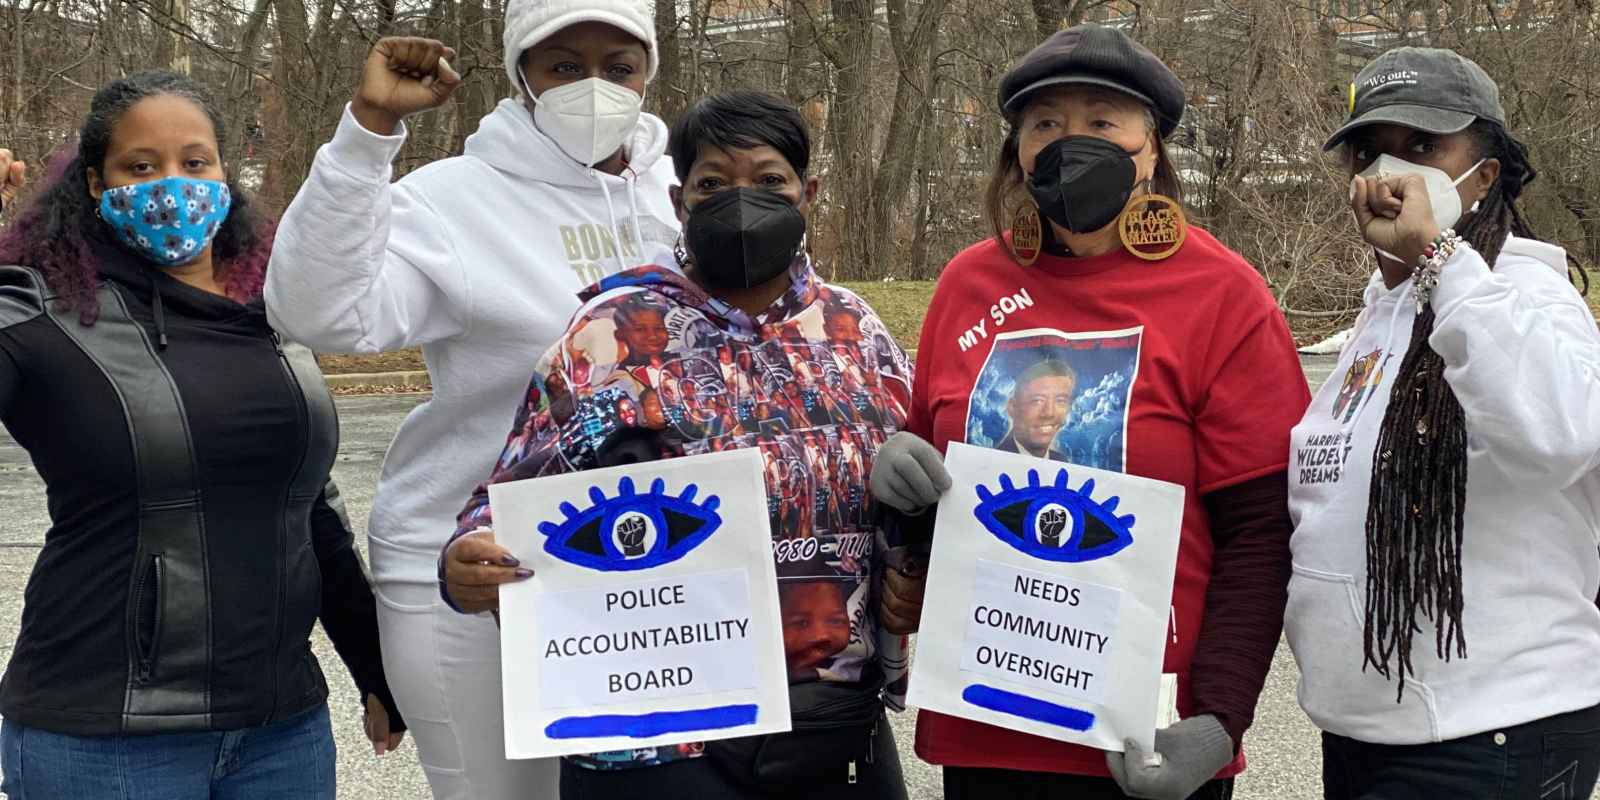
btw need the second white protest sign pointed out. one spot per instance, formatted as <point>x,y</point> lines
<point>1048,598</point>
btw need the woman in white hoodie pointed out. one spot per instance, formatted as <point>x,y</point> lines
<point>479,259</point>
<point>1444,487</point>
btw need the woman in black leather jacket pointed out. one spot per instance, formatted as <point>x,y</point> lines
<point>195,536</point>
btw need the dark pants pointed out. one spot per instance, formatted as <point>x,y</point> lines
<point>1551,759</point>
<point>703,779</point>
<point>967,783</point>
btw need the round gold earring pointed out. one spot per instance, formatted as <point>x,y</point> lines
<point>1027,234</point>
<point>1153,227</point>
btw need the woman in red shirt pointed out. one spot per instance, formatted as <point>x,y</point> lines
<point>1114,336</point>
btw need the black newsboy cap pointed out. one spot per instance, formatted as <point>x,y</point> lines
<point>1096,56</point>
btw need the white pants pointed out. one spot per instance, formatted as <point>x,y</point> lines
<point>444,670</point>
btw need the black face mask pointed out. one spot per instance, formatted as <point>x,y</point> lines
<point>1082,182</point>
<point>741,238</point>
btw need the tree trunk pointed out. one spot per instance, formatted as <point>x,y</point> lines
<point>1046,18</point>
<point>1050,16</point>
<point>846,44</point>
<point>796,61</point>
<point>294,73</point>
<point>180,36</point>
<point>670,93</point>
<point>850,50</point>
<point>919,224</point>
<point>476,99</point>
<point>161,12</point>
<point>909,119</point>
<point>1588,218</point>
<point>240,101</point>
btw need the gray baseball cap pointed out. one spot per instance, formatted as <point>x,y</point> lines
<point>1430,89</point>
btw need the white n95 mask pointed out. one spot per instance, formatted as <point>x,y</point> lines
<point>1441,187</point>
<point>588,119</point>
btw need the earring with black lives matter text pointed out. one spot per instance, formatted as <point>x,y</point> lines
<point>1027,233</point>
<point>1153,227</point>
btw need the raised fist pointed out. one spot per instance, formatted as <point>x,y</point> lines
<point>403,75</point>
<point>630,534</point>
<point>1052,521</point>
<point>1395,214</point>
<point>13,176</point>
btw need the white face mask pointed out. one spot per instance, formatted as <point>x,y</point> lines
<point>1441,187</point>
<point>588,119</point>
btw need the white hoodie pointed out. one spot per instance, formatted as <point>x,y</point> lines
<point>479,259</point>
<point>1522,354</point>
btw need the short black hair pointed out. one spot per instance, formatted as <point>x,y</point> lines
<point>1046,368</point>
<point>628,311</point>
<point>740,119</point>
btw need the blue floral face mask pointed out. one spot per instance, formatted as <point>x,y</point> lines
<point>169,221</point>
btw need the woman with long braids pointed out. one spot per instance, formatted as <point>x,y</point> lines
<point>195,536</point>
<point>1444,490</point>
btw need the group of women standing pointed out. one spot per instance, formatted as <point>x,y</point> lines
<point>1440,487</point>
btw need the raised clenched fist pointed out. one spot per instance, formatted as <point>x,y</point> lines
<point>1395,214</point>
<point>1052,521</point>
<point>13,176</point>
<point>403,75</point>
<point>630,534</point>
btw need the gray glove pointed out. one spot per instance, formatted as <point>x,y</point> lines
<point>908,473</point>
<point>1187,755</point>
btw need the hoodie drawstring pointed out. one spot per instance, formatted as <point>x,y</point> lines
<point>159,313</point>
<point>616,233</point>
<point>633,208</point>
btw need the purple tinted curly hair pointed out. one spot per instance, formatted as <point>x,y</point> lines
<point>58,231</point>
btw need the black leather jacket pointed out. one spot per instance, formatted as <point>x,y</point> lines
<point>195,533</point>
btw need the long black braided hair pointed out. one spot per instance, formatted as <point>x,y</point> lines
<point>1417,505</point>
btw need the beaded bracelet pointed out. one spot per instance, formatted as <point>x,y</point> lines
<point>1425,276</point>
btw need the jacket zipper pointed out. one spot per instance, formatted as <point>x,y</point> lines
<point>302,415</point>
<point>149,582</point>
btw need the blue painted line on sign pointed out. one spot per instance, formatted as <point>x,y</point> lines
<point>643,726</point>
<point>1027,707</point>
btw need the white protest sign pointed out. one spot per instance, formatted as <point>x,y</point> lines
<point>1048,598</point>
<point>652,616</point>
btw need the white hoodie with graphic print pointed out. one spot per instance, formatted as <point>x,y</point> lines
<point>1522,354</point>
<point>479,259</point>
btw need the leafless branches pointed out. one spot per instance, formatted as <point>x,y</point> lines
<point>902,96</point>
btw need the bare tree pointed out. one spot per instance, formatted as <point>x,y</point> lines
<point>902,96</point>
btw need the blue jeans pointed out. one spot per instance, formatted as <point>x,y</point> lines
<point>1556,758</point>
<point>289,759</point>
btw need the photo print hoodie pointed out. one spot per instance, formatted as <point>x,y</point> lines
<point>816,383</point>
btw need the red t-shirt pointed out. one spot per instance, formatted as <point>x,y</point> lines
<point>1181,370</point>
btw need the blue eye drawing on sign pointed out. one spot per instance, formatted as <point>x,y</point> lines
<point>632,531</point>
<point>1054,522</point>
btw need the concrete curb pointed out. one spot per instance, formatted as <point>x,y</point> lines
<point>380,380</point>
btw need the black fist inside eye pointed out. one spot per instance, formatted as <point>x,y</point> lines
<point>630,534</point>
<point>1052,522</point>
